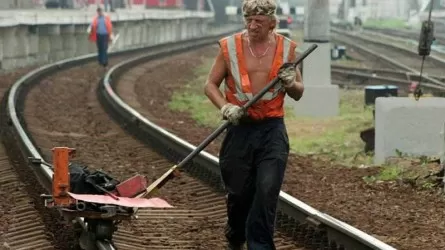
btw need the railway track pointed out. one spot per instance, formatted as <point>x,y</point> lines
<point>400,58</point>
<point>355,77</point>
<point>437,50</point>
<point>56,105</point>
<point>21,224</point>
<point>408,34</point>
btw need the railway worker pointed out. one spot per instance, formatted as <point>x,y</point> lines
<point>253,155</point>
<point>101,32</point>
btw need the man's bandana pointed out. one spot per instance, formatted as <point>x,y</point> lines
<point>259,7</point>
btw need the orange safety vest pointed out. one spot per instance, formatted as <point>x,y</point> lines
<point>108,25</point>
<point>237,83</point>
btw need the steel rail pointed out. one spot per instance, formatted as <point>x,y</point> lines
<point>289,207</point>
<point>15,102</point>
<point>412,34</point>
<point>409,34</point>
<point>383,72</point>
<point>383,57</point>
<point>365,77</point>
<point>405,42</point>
<point>379,42</point>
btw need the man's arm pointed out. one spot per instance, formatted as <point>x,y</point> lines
<point>214,79</point>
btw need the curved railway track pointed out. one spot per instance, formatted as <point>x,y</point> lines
<point>24,222</point>
<point>43,114</point>
<point>400,58</point>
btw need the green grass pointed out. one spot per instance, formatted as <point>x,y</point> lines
<point>418,172</point>
<point>336,138</point>
<point>385,23</point>
<point>191,98</point>
<point>387,173</point>
<point>390,173</point>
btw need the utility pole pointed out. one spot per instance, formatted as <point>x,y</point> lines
<point>346,6</point>
<point>320,98</point>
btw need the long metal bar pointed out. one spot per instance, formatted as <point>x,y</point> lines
<point>224,125</point>
<point>167,175</point>
<point>289,205</point>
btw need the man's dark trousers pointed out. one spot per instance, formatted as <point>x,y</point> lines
<point>102,47</point>
<point>253,160</point>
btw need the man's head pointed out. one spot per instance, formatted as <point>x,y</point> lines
<point>259,16</point>
<point>99,11</point>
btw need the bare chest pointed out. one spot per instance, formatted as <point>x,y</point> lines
<point>258,66</point>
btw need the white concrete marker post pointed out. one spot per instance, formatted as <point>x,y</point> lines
<point>410,126</point>
<point>320,98</point>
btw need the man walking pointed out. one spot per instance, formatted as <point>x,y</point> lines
<point>254,152</point>
<point>101,34</point>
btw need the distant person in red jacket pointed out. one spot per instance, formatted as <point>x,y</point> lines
<point>101,33</point>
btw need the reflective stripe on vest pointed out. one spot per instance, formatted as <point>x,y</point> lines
<point>234,68</point>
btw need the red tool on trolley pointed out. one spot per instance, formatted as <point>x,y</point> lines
<point>102,204</point>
